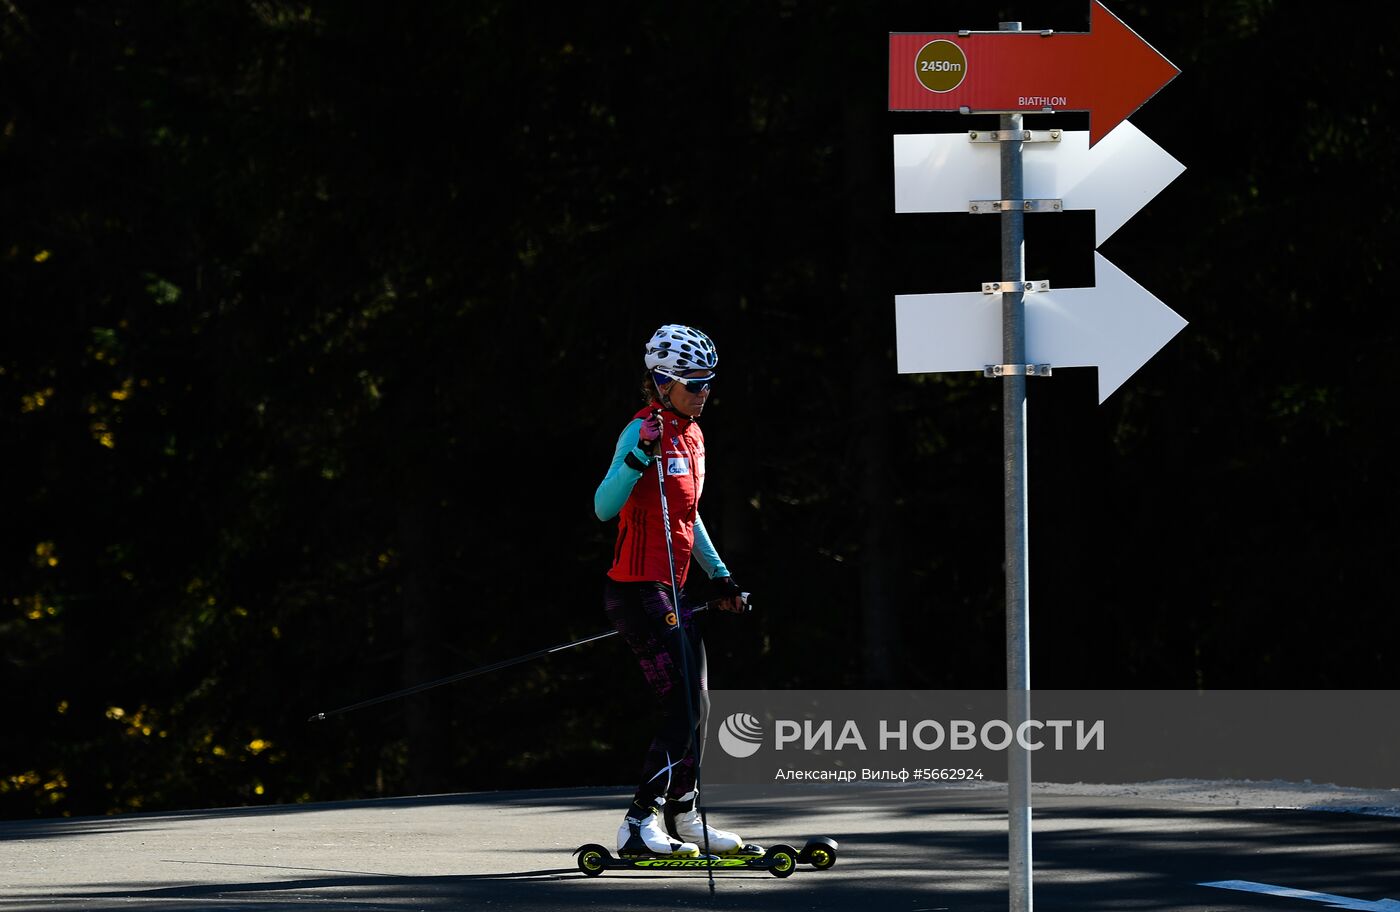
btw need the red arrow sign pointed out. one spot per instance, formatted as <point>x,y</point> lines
<point>1108,71</point>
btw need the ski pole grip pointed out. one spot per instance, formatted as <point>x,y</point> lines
<point>654,446</point>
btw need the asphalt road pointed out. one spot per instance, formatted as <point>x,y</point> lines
<point>904,848</point>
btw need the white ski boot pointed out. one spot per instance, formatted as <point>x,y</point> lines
<point>644,836</point>
<point>683,822</point>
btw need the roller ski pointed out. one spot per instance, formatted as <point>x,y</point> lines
<point>642,843</point>
<point>779,860</point>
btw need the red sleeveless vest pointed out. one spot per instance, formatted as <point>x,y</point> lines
<point>640,552</point>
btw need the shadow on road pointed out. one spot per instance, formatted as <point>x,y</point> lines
<point>900,850</point>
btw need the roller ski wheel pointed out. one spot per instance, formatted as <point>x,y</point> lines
<point>819,852</point>
<point>592,859</point>
<point>780,860</point>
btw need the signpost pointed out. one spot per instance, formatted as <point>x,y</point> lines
<point>1115,325</point>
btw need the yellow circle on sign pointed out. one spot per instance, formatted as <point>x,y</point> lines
<point>941,66</point>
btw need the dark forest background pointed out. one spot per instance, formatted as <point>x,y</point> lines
<point>318,322</point>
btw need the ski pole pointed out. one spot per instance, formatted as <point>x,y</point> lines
<point>461,676</point>
<point>684,649</point>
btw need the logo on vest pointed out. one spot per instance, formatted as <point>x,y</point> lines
<point>677,465</point>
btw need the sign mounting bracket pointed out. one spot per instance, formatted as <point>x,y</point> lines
<point>1013,287</point>
<point>992,136</point>
<point>1017,370</point>
<point>981,207</point>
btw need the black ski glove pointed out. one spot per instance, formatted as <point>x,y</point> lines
<point>727,594</point>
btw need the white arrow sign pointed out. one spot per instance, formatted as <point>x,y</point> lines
<point>1335,902</point>
<point>944,172</point>
<point>1116,326</point>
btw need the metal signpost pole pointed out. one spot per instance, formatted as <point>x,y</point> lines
<point>1013,416</point>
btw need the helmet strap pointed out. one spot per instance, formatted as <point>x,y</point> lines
<point>661,395</point>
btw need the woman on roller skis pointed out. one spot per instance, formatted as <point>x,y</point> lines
<point>648,561</point>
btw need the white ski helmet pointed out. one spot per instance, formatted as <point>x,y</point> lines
<point>674,348</point>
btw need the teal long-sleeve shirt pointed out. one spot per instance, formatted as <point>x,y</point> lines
<point>617,486</point>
